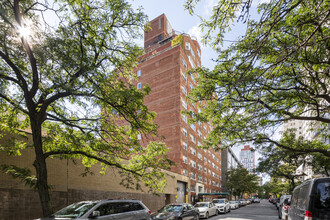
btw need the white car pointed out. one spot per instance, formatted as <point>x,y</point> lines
<point>234,204</point>
<point>284,209</point>
<point>223,205</point>
<point>206,209</point>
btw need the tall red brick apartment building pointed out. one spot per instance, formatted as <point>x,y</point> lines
<point>163,67</point>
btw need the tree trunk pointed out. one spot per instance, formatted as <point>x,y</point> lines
<point>41,168</point>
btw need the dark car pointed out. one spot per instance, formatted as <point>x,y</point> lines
<point>176,211</point>
<point>311,200</point>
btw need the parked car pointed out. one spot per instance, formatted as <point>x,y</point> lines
<point>311,200</point>
<point>285,209</point>
<point>275,200</point>
<point>242,202</point>
<point>256,200</point>
<point>176,212</point>
<point>234,204</point>
<point>280,204</point>
<point>206,209</point>
<point>223,205</point>
<point>105,209</point>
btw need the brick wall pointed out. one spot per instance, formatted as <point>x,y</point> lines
<point>24,204</point>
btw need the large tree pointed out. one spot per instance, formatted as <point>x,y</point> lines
<point>280,163</point>
<point>65,73</point>
<point>239,181</point>
<point>277,72</point>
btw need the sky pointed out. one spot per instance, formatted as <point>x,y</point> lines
<point>182,21</point>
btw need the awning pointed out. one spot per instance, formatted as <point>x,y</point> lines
<point>214,194</point>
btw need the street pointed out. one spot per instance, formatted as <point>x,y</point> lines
<point>256,211</point>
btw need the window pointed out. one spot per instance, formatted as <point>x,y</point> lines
<point>184,90</point>
<point>184,63</point>
<point>192,138</point>
<point>139,85</point>
<point>193,187</point>
<point>185,159</point>
<point>199,155</point>
<point>184,145</point>
<point>322,197</point>
<point>205,160</point>
<point>185,172</point>
<point>199,133</point>
<point>205,170</point>
<point>192,53</point>
<point>199,144</point>
<point>184,118</point>
<point>209,162</point>
<point>210,172</point>
<point>184,131</point>
<point>193,163</point>
<point>191,63</point>
<point>200,178</point>
<point>191,86</point>
<point>192,176</point>
<point>184,104</point>
<point>205,180</point>
<point>199,54</point>
<point>200,167</point>
<point>193,127</point>
<point>193,151</point>
<point>139,73</point>
<point>184,76</point>
<point>188,46</point>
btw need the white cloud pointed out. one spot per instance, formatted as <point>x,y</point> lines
<point>209,6</point>
<point>195,31</point>
<point>255,3</point>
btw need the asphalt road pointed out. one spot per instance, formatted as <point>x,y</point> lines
<point>256,211</point>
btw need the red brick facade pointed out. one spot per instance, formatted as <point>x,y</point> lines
<point>163,67</point>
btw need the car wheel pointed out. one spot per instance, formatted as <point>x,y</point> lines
<point>229,210</point>
<point>207,215</point>
<point>217,212</point>
<point>196,217</point>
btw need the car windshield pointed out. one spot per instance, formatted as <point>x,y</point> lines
<point>232,202</point>
<point>74,210</point>
<point>218,201</point>
<point>171,208</point>
<point>202,205</point>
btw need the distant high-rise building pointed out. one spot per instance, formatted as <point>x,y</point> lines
<point>229,161</point>
<point>247,157</point>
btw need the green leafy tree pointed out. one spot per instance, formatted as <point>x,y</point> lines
<point>277,72</point>
<point>275,187</point>
<point>239,181</point>
<point>69,81</point>
<point>280,163</point>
